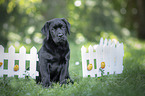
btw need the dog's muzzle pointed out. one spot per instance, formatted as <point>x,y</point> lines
<point>60,35</point>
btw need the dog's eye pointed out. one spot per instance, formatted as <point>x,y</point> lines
<point>63,27</point>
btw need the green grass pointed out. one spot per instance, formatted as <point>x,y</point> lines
<point>130,83</point>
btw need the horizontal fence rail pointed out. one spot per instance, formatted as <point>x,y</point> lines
<point>106,52</point>
<point>26,62</point>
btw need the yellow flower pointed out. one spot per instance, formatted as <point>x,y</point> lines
<point>102,65</point>
<point>16,68</point>
<point>1,64</point>
<point>89,67</point>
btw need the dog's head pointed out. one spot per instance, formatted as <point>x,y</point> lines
<point>57,29</point>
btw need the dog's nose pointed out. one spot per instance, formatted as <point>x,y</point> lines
<point>60,35</point>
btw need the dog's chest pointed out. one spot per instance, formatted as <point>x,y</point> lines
<point>60,56</point>
<point>57,62</point>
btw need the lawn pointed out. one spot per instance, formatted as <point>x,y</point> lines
<point>130,83</point>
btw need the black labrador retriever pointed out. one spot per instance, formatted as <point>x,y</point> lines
<point>54,54</point>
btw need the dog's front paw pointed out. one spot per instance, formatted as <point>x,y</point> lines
<point>46,84</point>
<point>71,81</point>
<point>63,82</point>
<point>66,81</point>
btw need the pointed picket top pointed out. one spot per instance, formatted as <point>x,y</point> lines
<point>113,44</point>
<point>83,49</point>
<point>22,49</point>
<point>105,42</point>
<point>1,48</point>
<point>33,50</point>
<point>118,44</point>
<point>11,49</point>
<point>90,48</point>
<point>101,41</point>
<point>122,48</point>
<point>121,45</point>
<point>95,46</point>
<point>109,42</point>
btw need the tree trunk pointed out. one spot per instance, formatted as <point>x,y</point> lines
<point>141,19</point>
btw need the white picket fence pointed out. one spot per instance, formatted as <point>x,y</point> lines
<point>108,52</point>
<point>22,58</point>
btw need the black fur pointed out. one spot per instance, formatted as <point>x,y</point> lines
<point>54,54</point>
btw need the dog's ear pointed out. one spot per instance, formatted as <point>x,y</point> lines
<point>45,29</point>
<point>67,25</point>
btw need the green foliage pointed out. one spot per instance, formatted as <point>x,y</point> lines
<point>93,18</point>
<point>19,19</point>
<point>22,20</point>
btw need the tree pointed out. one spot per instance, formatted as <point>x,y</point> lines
<point>17,16</point>
<point>22,20</point>
<point>141,18</point>
<point>133,13</point>
<point>93,18</point>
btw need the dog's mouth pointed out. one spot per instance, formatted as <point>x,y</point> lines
<point>61,40</point>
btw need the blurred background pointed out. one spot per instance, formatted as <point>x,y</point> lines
<point>21,20</point>
<point>121,20</point>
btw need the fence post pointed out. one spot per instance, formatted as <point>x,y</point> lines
<point>22,61</point>
<point>84,61</point>
<point>106,52</point>
<point>33,59</point>
<point>119,59</point>
<point>1,60</point>
<point>11,58</point>
<point>99,51</point>
<point>112,58</point>
<point>109,56</point>
<point>91,61</point>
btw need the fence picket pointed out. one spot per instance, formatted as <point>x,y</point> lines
<point>84,61</point>
<point>91,60</point>
<point>11,59</point>
<point>106,53</point>
<point>119,59</point>
<point>1,60</point>
<point>22,61</point>
<point>101,41</point>
<point>112,58</point>
<point>100,56</point>
<point>33,53</point>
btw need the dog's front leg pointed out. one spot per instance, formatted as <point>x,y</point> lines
<point>45,73</point>
<point>44,65</point>
<point>64,75</point>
